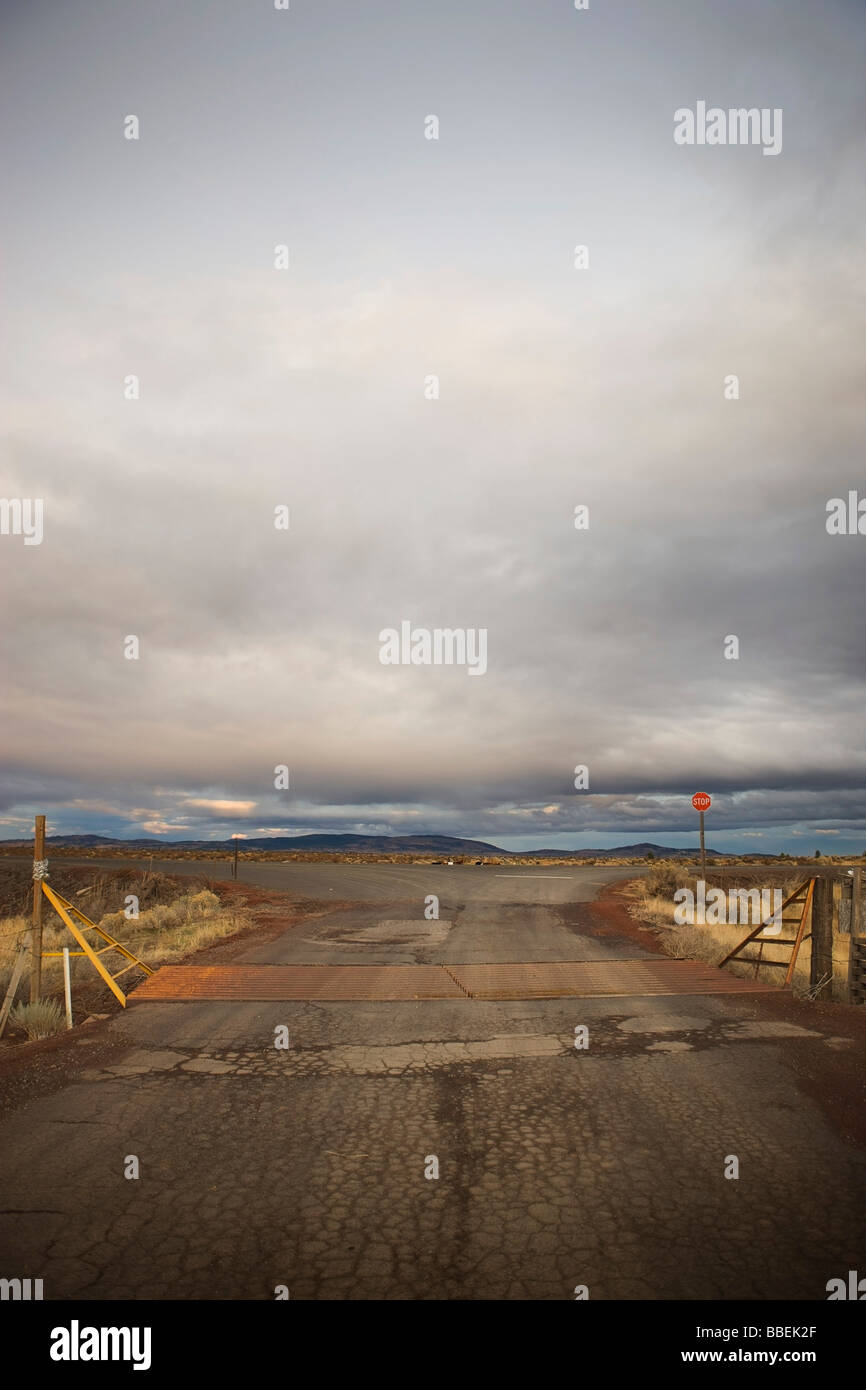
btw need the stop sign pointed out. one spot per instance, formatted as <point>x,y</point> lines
<point>701,801</point>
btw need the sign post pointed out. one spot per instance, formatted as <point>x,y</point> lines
<point>701,803</point>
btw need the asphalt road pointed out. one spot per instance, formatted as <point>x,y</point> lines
<point>315,1167</point>
<point>389,883</point>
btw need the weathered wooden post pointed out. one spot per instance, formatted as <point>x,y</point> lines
<point>39,872</point>
<point>821,974</point>
<point>856,944</point>
<point>17,972</point>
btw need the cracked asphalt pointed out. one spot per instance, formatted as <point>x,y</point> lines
<point>309,1165</point>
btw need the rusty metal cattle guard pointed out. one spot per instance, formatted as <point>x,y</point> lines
<point>510,980</point>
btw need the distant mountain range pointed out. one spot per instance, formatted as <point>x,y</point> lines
<point>366,844</point>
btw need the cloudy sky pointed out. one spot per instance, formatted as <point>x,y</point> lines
<point>309,387</point>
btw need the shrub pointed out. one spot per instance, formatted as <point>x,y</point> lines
<point>662,881</point>
<point>38,1020</point>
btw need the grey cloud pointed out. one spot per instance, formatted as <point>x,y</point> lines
<point>557,387</point>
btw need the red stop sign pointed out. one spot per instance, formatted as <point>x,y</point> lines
<point>701,801</point>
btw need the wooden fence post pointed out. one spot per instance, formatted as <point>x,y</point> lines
<point>17,972</point>
<point>855,943</point>
<point>821,974</point>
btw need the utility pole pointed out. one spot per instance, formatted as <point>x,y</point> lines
<point>39,872</point>
<point>235,861</point>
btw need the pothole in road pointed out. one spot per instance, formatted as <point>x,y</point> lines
<point>394,933</point>
<point>664,1023</point>
<point>764,1028</point>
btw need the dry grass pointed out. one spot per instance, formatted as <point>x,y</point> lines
<point>162,934</point>
<point>710,942</point>
<point>170,931</point>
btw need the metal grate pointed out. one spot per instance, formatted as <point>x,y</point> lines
<point>300,982</point>
<point>514,980</point>
<point>583,979</point>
